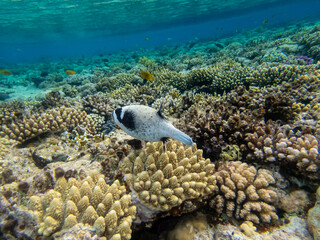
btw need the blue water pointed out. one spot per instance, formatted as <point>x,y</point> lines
<point>35,31</point>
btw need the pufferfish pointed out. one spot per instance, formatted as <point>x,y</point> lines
<point>148,124</point>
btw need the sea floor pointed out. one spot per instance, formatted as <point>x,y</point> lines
<point>250,102</point>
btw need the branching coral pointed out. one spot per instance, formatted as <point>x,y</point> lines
<point>107,84</point>
<point>90,201</point>
<point>216,126</point>
<point>27,127</point>
<point>268,74</point>
<point>286,147</point>
<point>245,193</point>
<point>222,76</point>
<point>162,180</point>
<point>172,78</point>
<point>98,104</point>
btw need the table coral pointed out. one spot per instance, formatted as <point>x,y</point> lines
<point>107,208</point>
<point>245,193</point>
<point>162,180</point>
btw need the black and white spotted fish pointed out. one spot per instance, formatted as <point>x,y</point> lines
<point>148,124</point>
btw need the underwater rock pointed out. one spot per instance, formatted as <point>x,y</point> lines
<point>314,218</point>
<point>7,176</point>
<point>190,228</point>
<point>296,228</point>
<point>15,223</point>
<point>42,159</point>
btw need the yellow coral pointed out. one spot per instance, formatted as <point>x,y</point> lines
<point>163,180</point>
<point>92,201</point>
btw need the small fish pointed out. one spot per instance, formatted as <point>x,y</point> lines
<point>265,21</point>
<point>5,72</point>
<point>146,38</point>
<point>70,72</point>
<point>148,124</point>
<point>147,76</point>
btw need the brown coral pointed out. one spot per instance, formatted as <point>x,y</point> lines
<point>245,193</point>
<point>286,146</point>
<point>98,104</point>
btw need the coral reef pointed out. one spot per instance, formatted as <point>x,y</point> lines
<point>284,146</point>
<point>245,193</point>
<point>213,125</point>
<point>250,102</point>
<point>98,104</point>
<point>106,208</point>
<point>53,120</point>
<point>162,180</point>
<point>108,84</point>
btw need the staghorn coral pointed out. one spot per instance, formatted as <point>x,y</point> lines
<point>147,62</point>
<point>171,103</point>
<point>162,180</point>
<point>106,208</point>
<point>245,193</point>
<point>52,120</point>
<point>249,229</point>
<point>7,115</point>
<point>51,100</point>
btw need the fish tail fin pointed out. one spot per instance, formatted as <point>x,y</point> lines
<point>181,137</point>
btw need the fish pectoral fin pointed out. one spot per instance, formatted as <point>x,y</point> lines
<point>164,140</point>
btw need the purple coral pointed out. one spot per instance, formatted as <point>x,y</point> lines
<point>307,60</point>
